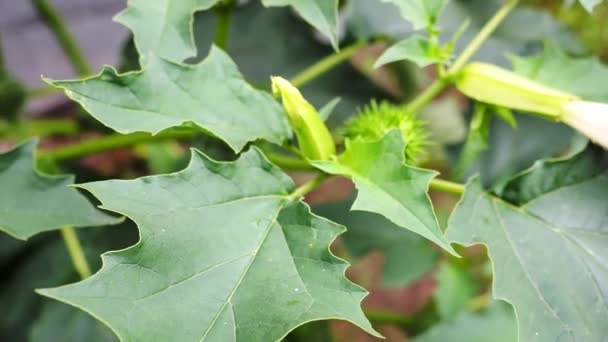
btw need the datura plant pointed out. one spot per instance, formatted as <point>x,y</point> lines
<point>214,220</point>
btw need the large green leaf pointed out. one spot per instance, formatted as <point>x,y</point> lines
<point>496,323</point>
<point>388,186</point>
<point>272,42</point>
<point>407,256</point>
<point>224,255</point>
<point>31,202</point>
<point>163,27</point>
<point>420,13</point>
<point>548,255</point>
<point>212,94</point>
<point>322,14</point>
<point>577,75</point>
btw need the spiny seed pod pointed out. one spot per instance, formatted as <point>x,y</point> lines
<point>375,120</point>
<point>491,84</point>
<point>314,139</point>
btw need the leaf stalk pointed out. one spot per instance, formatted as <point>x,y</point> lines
<point>72,243</point>
<point>67,42</point>
<point>325,64</point>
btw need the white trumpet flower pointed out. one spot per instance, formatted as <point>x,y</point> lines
<point>589,118</point>
<point>491,84</point>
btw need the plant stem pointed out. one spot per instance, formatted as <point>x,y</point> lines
<point>70,238</point>
<point>108,143</point>
<point>222,28</point>
<point>482,35</point>
<point>43,91</point>
<point>307,187</point>
<point>63,36</point>
<point>287,162</point>
<point>439,84</point>
<point>325,64</point>
<point>447,187</point>
<point>383,317</point>
<point>424,98</point>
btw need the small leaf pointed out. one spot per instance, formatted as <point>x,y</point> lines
<point>212,94</point>
<point>548,254</point>
<point>163,27</point>
<point>388,186</point>
<point>577,75</point>
<point>223,256</point>
<point>326,111</point>
<point>31,202</point>
<point>416,48</point>
<point>496,324</point>
<point>421,13</point>
<point>322,14</point>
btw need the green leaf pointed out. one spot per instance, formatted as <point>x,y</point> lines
<point>548,255</point>
<point>577,75</point>
<point>328,109</point>
<point>552,174</point>
<point>252,265</point>
<point>163,27</point>
<point>388,186</point>
<point>416,48</point>
<point>31,202</point>
<point>322,14</point>
<point>407,256</point>
<point>59,321</point>
<point>212,95</point>
<point>496,324</point>
<point>258,55</point>
<point>455,288</point>
<point>421,13</point>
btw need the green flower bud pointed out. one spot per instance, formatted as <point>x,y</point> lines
<point>490,84</point>
<point>314,139</point>
<point>375,120</point>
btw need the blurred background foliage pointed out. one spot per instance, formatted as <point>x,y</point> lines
<point>417,292</point>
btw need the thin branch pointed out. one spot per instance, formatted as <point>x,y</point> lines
<point>72,243</point>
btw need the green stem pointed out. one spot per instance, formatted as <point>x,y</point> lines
<point>431,92</point>
<point>482,36</point>
<point>441,83</point>
<point>38,127</point>
<point>287,162</point>
<point>43,91</point>
<point>222,28</point>
<point>325,64</point>
<point>383,317</point>
<point>447,187</point>
<point>76,253</point>
<point>63,36</point>
<point>307,187</point>
<point>108,143</point>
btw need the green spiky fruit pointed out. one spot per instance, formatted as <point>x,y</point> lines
<point>375,120</point>
<point>12,97</point>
